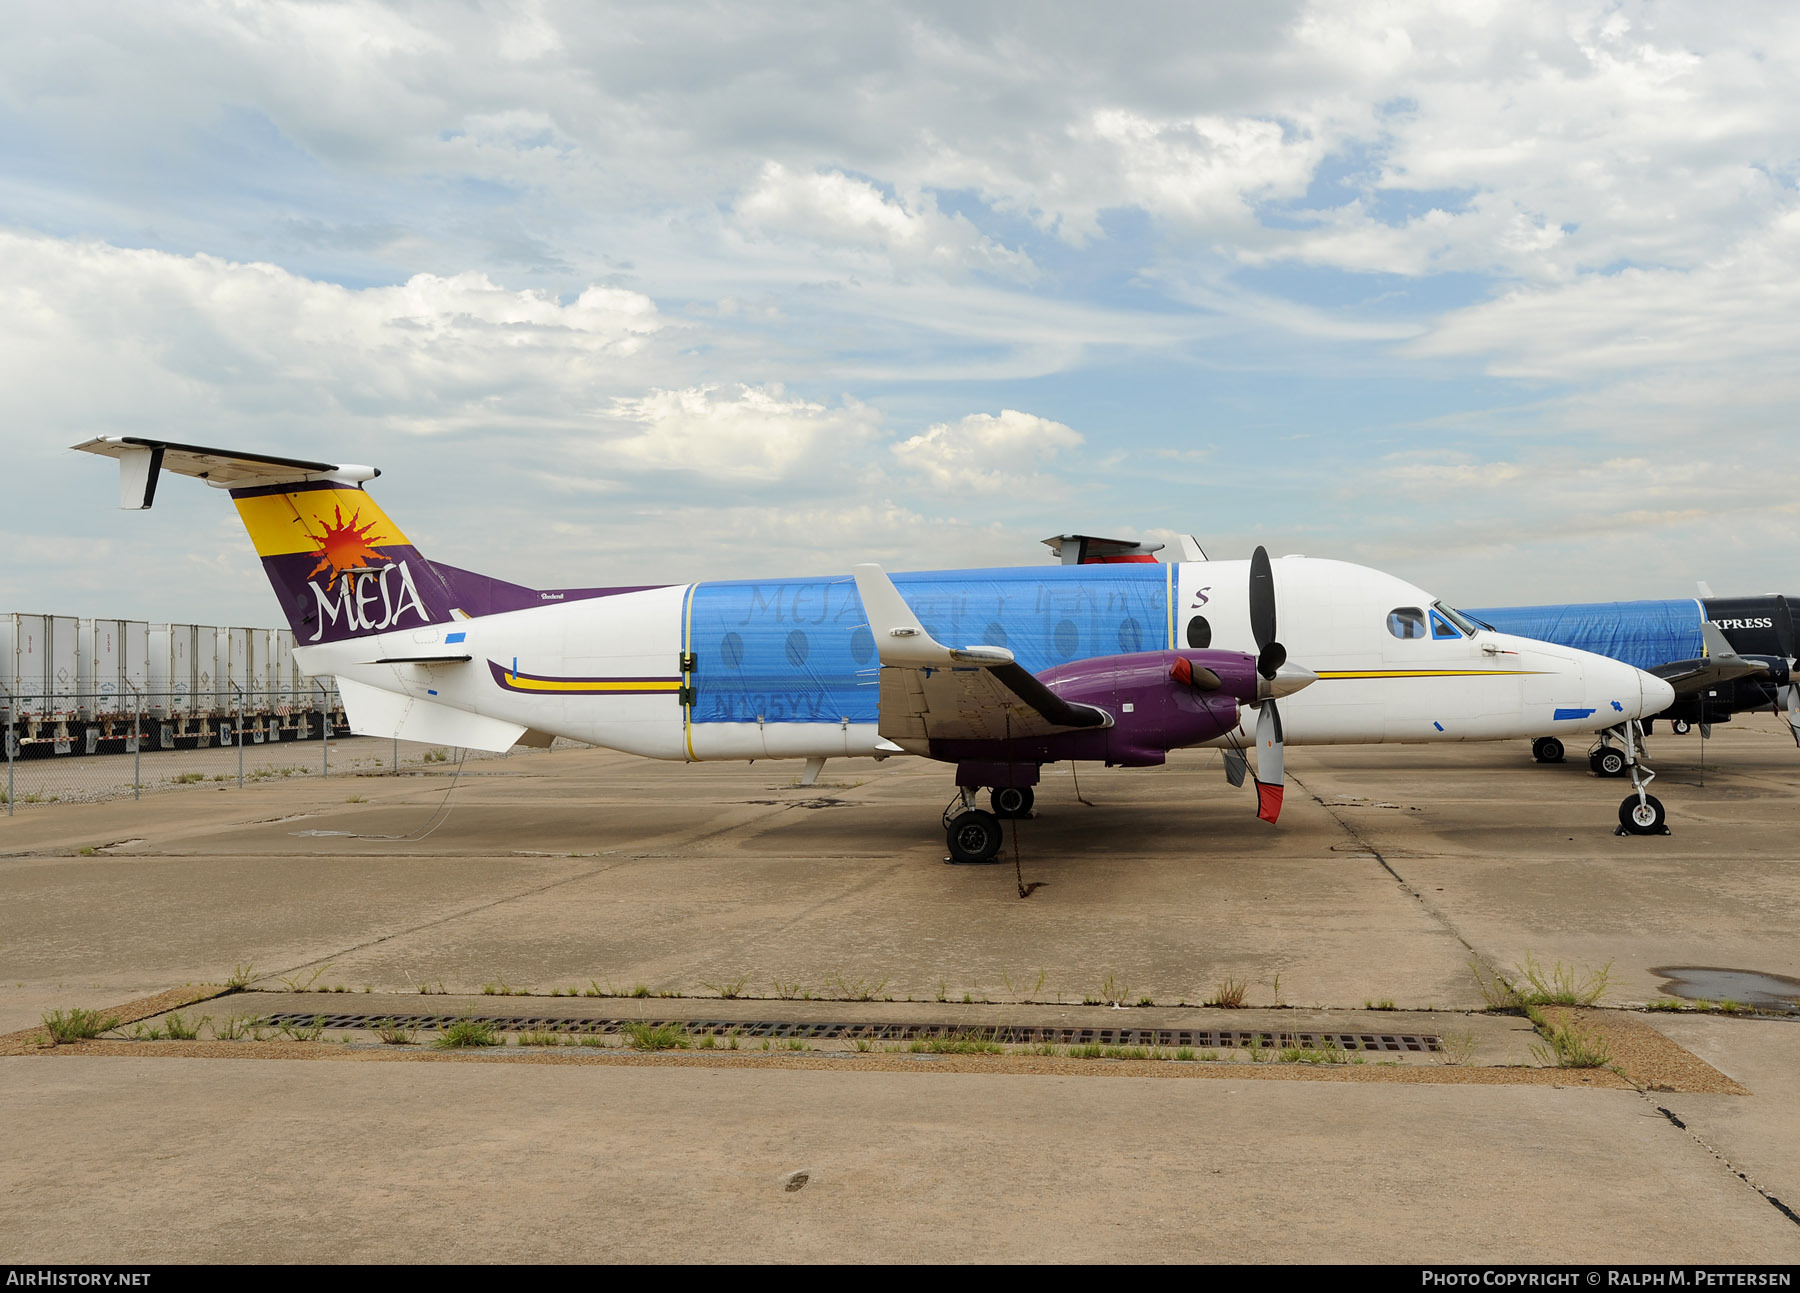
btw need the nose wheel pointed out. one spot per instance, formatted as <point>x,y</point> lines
<point>1640,813</point>
<point>1642,817</point>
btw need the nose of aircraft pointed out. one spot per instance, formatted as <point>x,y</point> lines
<point>1657,694</point>
<point>1619,689</point>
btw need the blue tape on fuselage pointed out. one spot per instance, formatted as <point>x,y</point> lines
<point>800,650</point>
<point>1561,714</point>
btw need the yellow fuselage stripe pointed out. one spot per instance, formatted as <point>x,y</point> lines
<point>522,683</point>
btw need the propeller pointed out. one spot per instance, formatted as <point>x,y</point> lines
<point>1787,696</point>
<point>1270,656</point>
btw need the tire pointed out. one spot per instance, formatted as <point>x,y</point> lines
<point>1609,762</point>
<point>973,836</point>
<point>1547,749</point>
<point>1680,726</point>
<point>1647,818</point>
<point>1012,802</point>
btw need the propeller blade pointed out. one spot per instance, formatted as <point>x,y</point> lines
<point>1236,765</point>
<point>1269,775</point>
<point>1262,598</point>
<point>1792,705</point>
<point>1270,654</point>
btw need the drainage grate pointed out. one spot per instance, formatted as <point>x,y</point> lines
<point>1011,1034</point>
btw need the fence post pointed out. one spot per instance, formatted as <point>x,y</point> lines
<point>324,732</point>
<point>239,724</point>
<point>137,742</point>
<point>12,718</point>
<point>396,756</point>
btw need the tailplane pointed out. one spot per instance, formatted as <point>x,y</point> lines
<point>340,566</point>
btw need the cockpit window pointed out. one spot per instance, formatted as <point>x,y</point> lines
<point>1456,617</point>
<point>1406,622</point>
<point>1442,628</point>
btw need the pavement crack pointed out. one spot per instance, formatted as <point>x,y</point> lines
<point>1406,885</point>
<point>455,915</point>
<point>1729,1166</point>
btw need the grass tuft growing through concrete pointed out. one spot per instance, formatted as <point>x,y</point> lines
<point>76,1024</point>
<point>645,1036</point>
<point>467,1031</point>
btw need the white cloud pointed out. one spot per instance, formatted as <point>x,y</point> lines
<point>984,454</point>
<point>840,210</point>
<point>111,338</point>
<point>750,434</point>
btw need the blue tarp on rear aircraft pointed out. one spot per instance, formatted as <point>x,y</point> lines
<point>1644,634</point>
<point>800,651</point>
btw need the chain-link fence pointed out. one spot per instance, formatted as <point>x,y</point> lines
<point>89,747</point>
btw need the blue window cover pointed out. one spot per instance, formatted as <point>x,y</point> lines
<point>800,650</point>
<point>1644,634</point>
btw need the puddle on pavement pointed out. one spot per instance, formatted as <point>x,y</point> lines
<point>1751,987</point>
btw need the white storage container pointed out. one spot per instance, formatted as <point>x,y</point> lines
<point>209,678</point>
<point>169,673</point>
<point>25,666</point>
<point>64,666</point>
<point>281,652</point>
<point>134,660</point>
<point>240,662</point>
<point>100,651</point>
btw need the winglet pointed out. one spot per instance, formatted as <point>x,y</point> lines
<point>900,640</point>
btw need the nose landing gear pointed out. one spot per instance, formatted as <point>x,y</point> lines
<point>1640,813</point>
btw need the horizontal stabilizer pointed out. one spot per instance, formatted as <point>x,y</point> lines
<point>141,461</point>
<point>374,712</point>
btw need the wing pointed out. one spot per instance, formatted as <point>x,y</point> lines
<point>1688,677</point>
<point>1719,664</point>
<point>933,692</point>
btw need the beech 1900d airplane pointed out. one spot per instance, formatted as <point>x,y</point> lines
<point>998,671</point>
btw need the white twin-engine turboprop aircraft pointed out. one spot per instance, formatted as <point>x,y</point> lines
<point>1117,658</point>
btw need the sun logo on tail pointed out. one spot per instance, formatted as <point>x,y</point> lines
<point>344,545</point>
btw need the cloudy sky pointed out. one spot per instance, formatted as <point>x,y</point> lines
<point>1504,298</point>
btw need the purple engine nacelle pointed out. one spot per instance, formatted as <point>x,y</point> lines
<point>1153,710</point>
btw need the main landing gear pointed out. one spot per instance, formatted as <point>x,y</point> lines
<point>1547,749</point>
<point>974,834</point>
<point>1640,813</point>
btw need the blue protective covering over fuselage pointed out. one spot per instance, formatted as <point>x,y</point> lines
<point>1644,634</point>
<point>800,650</point>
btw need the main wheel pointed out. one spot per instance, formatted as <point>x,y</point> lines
<point>1646,818</point>
<point>1680,726</point>
<point>1547,749</point>
<point>973,836</point>
<point>1607,762</point>
<point>1012,801</point>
